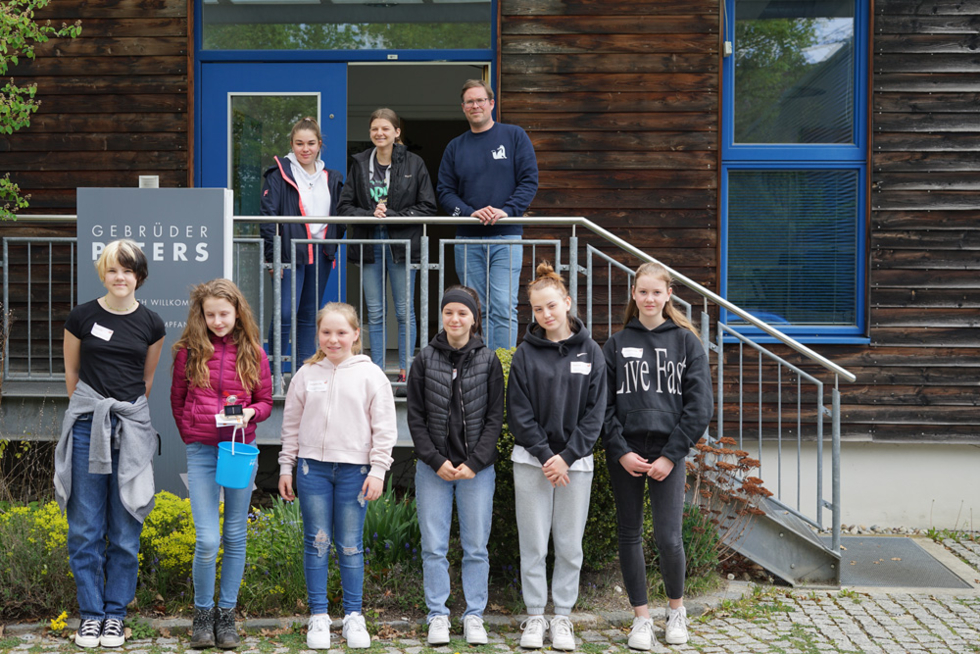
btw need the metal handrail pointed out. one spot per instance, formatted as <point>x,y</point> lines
<point>532,222</point>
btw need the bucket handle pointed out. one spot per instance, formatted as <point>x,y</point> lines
<point>233,432</point>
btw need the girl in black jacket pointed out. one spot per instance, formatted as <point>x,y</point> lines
<point>384,181</point>
<point>455,413</point>
<point>556,400</point>
<point>660,403</point>
<point>299,185</point>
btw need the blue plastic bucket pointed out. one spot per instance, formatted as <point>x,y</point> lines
<point>236,463</point>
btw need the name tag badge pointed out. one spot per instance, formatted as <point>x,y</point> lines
<point>581,367</point>
<point>316,387</point>
<point>633,352</point>
<point>454,374</point>
<point>221,420</point>
<point>99,331</point>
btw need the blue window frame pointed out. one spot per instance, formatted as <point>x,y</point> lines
<point>794,172</point>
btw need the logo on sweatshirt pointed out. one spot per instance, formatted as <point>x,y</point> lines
<point>499,153</point>
<point>668,375</point>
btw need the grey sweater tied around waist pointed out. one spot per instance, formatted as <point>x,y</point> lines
<point>134,437</point>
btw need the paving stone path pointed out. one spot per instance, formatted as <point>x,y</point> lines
<point>773,621</point>
<point>968,550</point>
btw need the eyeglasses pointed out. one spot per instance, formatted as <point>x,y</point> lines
<point>479,102</point>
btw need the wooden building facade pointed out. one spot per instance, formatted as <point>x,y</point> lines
<point>624,102</point>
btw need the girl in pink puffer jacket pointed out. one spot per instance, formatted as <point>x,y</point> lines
<point>218,362</point>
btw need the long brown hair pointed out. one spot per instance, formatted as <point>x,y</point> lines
<point>348,312</point>
<point>548,278</point>
<point>196,338</point>
<point>671,312</point>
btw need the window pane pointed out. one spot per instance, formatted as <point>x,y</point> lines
<point>260,126</point>
<point>794,71</point>
<point>346,25</point>
<point>792,238</point>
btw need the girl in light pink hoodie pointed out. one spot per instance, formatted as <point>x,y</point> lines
<point>338,429</point>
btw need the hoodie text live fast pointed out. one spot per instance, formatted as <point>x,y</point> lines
<point>658,390</point>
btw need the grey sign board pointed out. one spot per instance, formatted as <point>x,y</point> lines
<point>181,231</point>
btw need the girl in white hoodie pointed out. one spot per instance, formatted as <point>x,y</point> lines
<point>339,421</point>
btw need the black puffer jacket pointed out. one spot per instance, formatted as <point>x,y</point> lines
<point>429,397</point>
<point>409,194</point>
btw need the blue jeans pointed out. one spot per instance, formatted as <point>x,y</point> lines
<point>333,512</point>
<point>311,283</point>
<point>474,504</point>
<point>494,272</point>
<point>373,279</point>
<point>204,491</point>
<point>105,573</point>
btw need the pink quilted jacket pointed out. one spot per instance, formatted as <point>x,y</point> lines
<point>194,408</point>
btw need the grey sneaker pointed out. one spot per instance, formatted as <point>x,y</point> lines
<point>225,632</point>
<point>203,635</point>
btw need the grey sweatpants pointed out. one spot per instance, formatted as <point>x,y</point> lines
<point>541,511</point>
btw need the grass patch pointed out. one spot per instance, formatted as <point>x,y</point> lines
<point>759,606</point>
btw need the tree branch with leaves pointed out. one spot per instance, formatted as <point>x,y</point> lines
<point>20,33</point>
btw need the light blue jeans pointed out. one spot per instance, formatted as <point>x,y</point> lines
<point>105,573</point>
<point>333,513</point>
<point>204,491</point>
<point>494,272</point>
<point>474,504</point>
<point>373,276</point>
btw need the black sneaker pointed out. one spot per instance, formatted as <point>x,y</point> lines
<point>112,633</point>
<point>88,633</point>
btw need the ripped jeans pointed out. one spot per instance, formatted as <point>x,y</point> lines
<point>332,514</point>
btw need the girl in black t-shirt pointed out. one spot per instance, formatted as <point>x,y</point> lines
<point>103,461</point>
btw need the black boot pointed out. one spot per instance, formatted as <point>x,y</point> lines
<point>203,635</point>
<point>225,633</point>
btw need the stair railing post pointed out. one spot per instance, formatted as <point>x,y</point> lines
<point>835,464</point>
<point>573,268</point>
<point>424,292</point>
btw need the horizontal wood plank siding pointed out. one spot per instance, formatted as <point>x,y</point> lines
<point>621,100</point>
<point>115,103</point>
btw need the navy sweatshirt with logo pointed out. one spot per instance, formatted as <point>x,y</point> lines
<point>556,394</point>
<point>495,168</point>
<point>659,392</point>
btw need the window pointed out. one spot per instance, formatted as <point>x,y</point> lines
<point>346,25</point>
<point>793,165</point>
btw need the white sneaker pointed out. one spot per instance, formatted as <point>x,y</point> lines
<point>113,633</point>
<point>641,635</point>
<point>562,636</point>
<point>88,634</point>
<point>355,631</point>
<point>676,632</point>
<point>473,630</point>
<point>438,630</point>
<point>533,636</point>
<point>318,632</point>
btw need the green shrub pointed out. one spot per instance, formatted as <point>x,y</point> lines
<point>391,531</point>
<point>274,579</point>
<point>35,578</point>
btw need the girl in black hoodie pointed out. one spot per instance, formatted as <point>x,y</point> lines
<point>455,413</point>
<point>556,400</point>
<point>660,403</point>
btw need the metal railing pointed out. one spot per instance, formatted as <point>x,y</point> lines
<point>746,394</point>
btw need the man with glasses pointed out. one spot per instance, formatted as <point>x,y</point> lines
<point>489,172</point>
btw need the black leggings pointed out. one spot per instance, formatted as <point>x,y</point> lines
<point>667,502</point>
